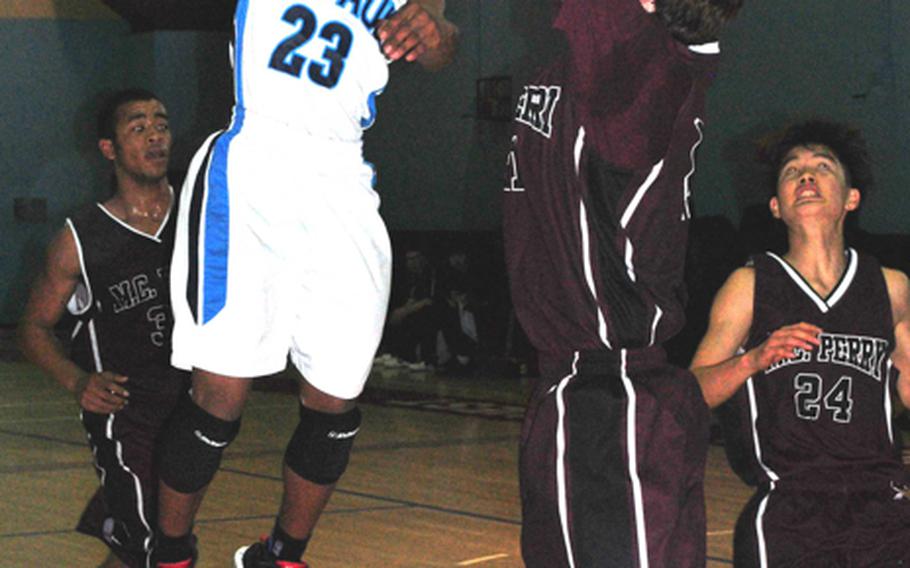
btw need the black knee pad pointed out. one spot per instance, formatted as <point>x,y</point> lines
<point>192,446</point>
<point>321,445</point>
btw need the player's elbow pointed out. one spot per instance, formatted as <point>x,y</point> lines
<point>713,400</point>
<point>25,337</point>
<point>712,395</point>
<point>29,335</point>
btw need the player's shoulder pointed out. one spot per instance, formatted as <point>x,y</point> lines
<point>894,274</point>
<point>62,255</point>
<point>86,214</point>
<point>737,293</point>
<point>742,279</point>
<point>898,285</point>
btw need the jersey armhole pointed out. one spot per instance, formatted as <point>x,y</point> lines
<point>81,299</point>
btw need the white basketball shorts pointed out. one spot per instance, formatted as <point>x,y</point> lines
<point>280,250</point>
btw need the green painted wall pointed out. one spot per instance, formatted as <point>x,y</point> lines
<point>440,167</point>
<point>53,74</point>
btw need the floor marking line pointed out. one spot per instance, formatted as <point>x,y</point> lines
<point>482,559</point>
<point>415,504</point>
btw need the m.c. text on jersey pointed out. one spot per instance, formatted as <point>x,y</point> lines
<point>535,107</point>
<point>132,292</point>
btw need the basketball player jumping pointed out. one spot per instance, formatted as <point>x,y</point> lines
<point>807,350</point>
<point>596,214</point>
<point>281,251</point>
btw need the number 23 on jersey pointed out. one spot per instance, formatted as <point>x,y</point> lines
<point>336,36</point>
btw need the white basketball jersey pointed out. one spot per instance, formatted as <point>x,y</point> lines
<point>312,65</point>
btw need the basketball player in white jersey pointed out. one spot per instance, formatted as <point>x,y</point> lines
<point>281,251</point>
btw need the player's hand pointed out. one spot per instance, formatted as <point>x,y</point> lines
<point>409,33</point>
<point>783,343</point>
<point>102,393</point>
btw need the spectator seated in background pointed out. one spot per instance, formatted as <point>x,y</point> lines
<point>457,340</point>
<point>410,333</point>
<point>433,315</point>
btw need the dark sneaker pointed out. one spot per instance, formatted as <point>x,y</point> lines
<point>258,556</point>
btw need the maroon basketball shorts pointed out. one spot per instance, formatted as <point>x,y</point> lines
<point>612,462</point>
<point>122,512</point>
<point>828,520</point>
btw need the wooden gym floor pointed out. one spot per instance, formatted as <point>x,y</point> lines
<point>432,480</point>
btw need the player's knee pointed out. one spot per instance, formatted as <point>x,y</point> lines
<point>192,447</point>
<point>321,445</point>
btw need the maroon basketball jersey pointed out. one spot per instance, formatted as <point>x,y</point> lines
<point>824,408</point>
<point>596,193</point>
<point>122,305</point>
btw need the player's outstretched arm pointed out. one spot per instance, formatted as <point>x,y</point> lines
<point>96,392</point>
<point>420,32</point>
<point>899,293</point>
<point>720,370</point>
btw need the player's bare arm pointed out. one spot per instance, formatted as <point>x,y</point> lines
<point>95,392</point>
<point>420,32</point>
<point>720,370</point>
<point>899,293</point>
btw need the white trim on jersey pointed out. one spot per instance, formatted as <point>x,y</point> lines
<point>887,399</point>
<point>73,303</point>
<point>579,146</point>
<point>79,305</point>
<point>586,248</point>
<point>710,48</point>
<point>102,473</point>
<point>562,500</point>
<point>170,211</point>
<point>140,504</point>
<point>847,279</point>
<point>589,273</point>
<point>658,313</point>
<point>76,329</point>
<point>96,351</point>
<point>753,415</point>
<point>640,194</point>
<point>756,442</point>
<point>687,193</point>
<point>630,266</point>
<point>823,304</point>
<point>760,529</point>
<point>632,459</point>
<point>157,236</point>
